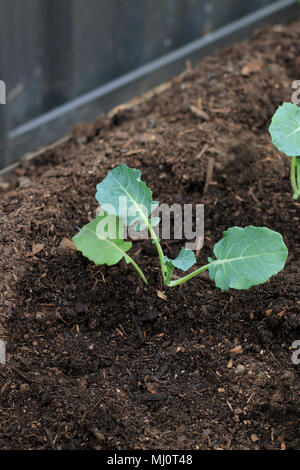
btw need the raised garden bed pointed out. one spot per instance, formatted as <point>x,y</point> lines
<point>96,359</point>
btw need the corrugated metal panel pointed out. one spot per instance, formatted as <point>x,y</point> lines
<point>53,51</point>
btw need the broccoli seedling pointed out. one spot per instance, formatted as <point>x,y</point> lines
<point>285,134</point>
<point>244,257</point>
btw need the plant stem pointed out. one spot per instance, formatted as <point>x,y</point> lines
<point>298,175</point>
<point>168,276</point>
<point>295,188</point>
<point>131,261</point>
<point>159,251</point>
<point>189,276</point>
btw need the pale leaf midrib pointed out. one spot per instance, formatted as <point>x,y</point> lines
<point>239,258</point>
<point>145,219</point>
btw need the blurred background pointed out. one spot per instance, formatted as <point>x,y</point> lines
<point>56,51</point>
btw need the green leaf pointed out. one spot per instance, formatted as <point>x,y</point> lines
<point>184,261</point>
<point>102,240</point>
<point>246,257</point>
<point>136,204</point>
<point>285,129</point>
<point>168,262</point>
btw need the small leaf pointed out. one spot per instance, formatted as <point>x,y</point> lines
<point>285,129</point>
<point>184,261</point>
<point>136,202</point>
<point>102,240</point>
<point>168,262</point>
<point>246,257</point>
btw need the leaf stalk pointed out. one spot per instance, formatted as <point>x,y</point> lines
<point>294,183</point>
<point>138,269</point>
<point>177,282</point>
<point>159,251</point>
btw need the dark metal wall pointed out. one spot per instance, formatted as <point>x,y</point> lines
<point>52,51</point>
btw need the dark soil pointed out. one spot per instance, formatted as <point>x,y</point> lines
<point>97,360</point>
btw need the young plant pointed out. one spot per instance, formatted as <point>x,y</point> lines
<point>243,258</point>
<point>285,134</point>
